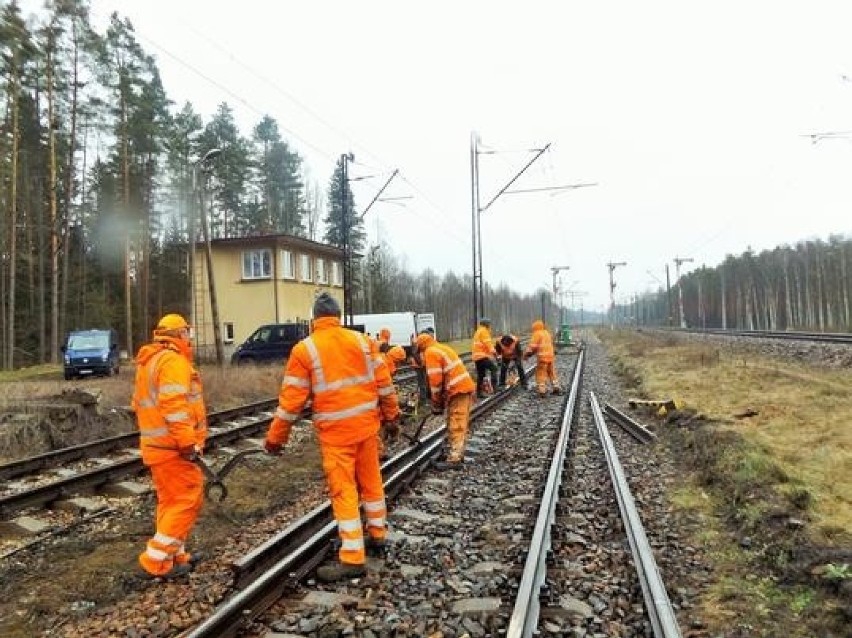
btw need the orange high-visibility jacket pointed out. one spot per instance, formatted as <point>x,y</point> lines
<point>446,371</point>
<point>541,343</point>
<point>394,355</point>
<point>509,352</point>
<point>167,413</point>
<point>347,380</point>
<point>482,346</point>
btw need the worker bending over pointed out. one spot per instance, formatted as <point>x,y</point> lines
<point>541,345</point>
<point>484,358</point>
<point>450,387</point>
<point>508,349</point>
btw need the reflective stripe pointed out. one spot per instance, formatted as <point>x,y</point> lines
<point>316,365</point>
<point>435,389</point>
<point>176,416</point>
<point>376,522</point>
<point>455,364</point>
<point>383,392</point>
<point>286,416</point>
<point>166,539</point>
<point>374,506</point>
<point>146,403</point>
<point>320,385</point>
<point>153,432</point>
<point>349,525</point>
<point>157,554</point>
<point>458,379</point>
<point>352,545</point>
<point>174,388</point>
<point>347,413</point>
<point>433,370</point>
<point>297,381</point>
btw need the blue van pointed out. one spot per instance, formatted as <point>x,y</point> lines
<point>91,352</point>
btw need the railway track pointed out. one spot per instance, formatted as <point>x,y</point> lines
<point>468,533</point>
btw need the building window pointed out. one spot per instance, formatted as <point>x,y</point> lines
<point>288,264</point>
<point>305,268</point>
<point>336,277</point>
<point>257,264</point>
<point>322,273</point>
<point>229,332</point>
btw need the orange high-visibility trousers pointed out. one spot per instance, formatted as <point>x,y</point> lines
<point>179,485</point>
<point>458,420</point>
<point>544,372</point>
<point>353,473</point>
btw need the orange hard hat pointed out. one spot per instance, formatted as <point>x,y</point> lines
<point>397,354</point>
<point>384,334</point>
<point>424,340</point>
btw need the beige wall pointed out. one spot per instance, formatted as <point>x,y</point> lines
<point>250,303</point>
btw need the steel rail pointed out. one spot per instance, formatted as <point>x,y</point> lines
<point>629,425</point>
<point>793,335</point>
<point>96,478</point>
<point>657,603</point>
<point>525,614</point>
<point>119,441</point>
<point>261,576</point>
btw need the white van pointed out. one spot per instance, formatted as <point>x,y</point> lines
<point>402,325</point>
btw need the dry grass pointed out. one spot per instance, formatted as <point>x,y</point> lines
<point>223,388</point>
<point>802,413</point>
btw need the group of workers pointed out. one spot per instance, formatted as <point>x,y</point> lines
<point>347,377</point>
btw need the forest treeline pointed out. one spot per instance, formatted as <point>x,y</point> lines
<point>99,176</point>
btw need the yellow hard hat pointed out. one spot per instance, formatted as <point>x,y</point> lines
<point>171,322</point>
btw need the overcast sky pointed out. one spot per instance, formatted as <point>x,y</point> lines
<point>688,116</point>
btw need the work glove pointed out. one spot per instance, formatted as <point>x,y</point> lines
<point>190,452</point>
<point>390,430</point>
<point>437,408</point>
<point>273,449</point>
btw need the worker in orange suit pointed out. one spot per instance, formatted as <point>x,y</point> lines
<point>169,404</point>
<point>484,358</point>
<point>392,356</point>
<point>452,388</point>
<point>541,345</point>
<point>508,348</point>
<point>351,393</point>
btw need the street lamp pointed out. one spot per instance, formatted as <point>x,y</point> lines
<point>201,164</point>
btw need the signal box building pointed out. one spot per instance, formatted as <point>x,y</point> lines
<point>259,280</point>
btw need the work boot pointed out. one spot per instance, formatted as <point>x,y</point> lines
<point>340,571</point>
<point>557,391</point>
<point>376,547</point>
<point>175,572</point>
<point>188,559</point>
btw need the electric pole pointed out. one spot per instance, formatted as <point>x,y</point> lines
<point>555,270</point>
<point>678,261</point>
<point>612,266</point>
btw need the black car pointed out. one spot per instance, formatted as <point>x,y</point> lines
<point>270,343</point>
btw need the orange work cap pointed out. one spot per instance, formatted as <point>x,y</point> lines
<point>538,324</point>
<point>384,334</point>
<point>424,340</point>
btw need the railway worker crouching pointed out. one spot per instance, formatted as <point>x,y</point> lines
<point>172,420</point>
<point>450,387</point>
<point>392,356</point>
<point>508,349</point>
<point>541,345</point>
<point>484,358</point>
<point>351,392</point>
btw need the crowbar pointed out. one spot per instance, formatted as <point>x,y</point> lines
<point>415,438</point>
<point>215,489</point>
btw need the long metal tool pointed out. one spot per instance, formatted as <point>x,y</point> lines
<point>215,488</point>
<point>415,438</point>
